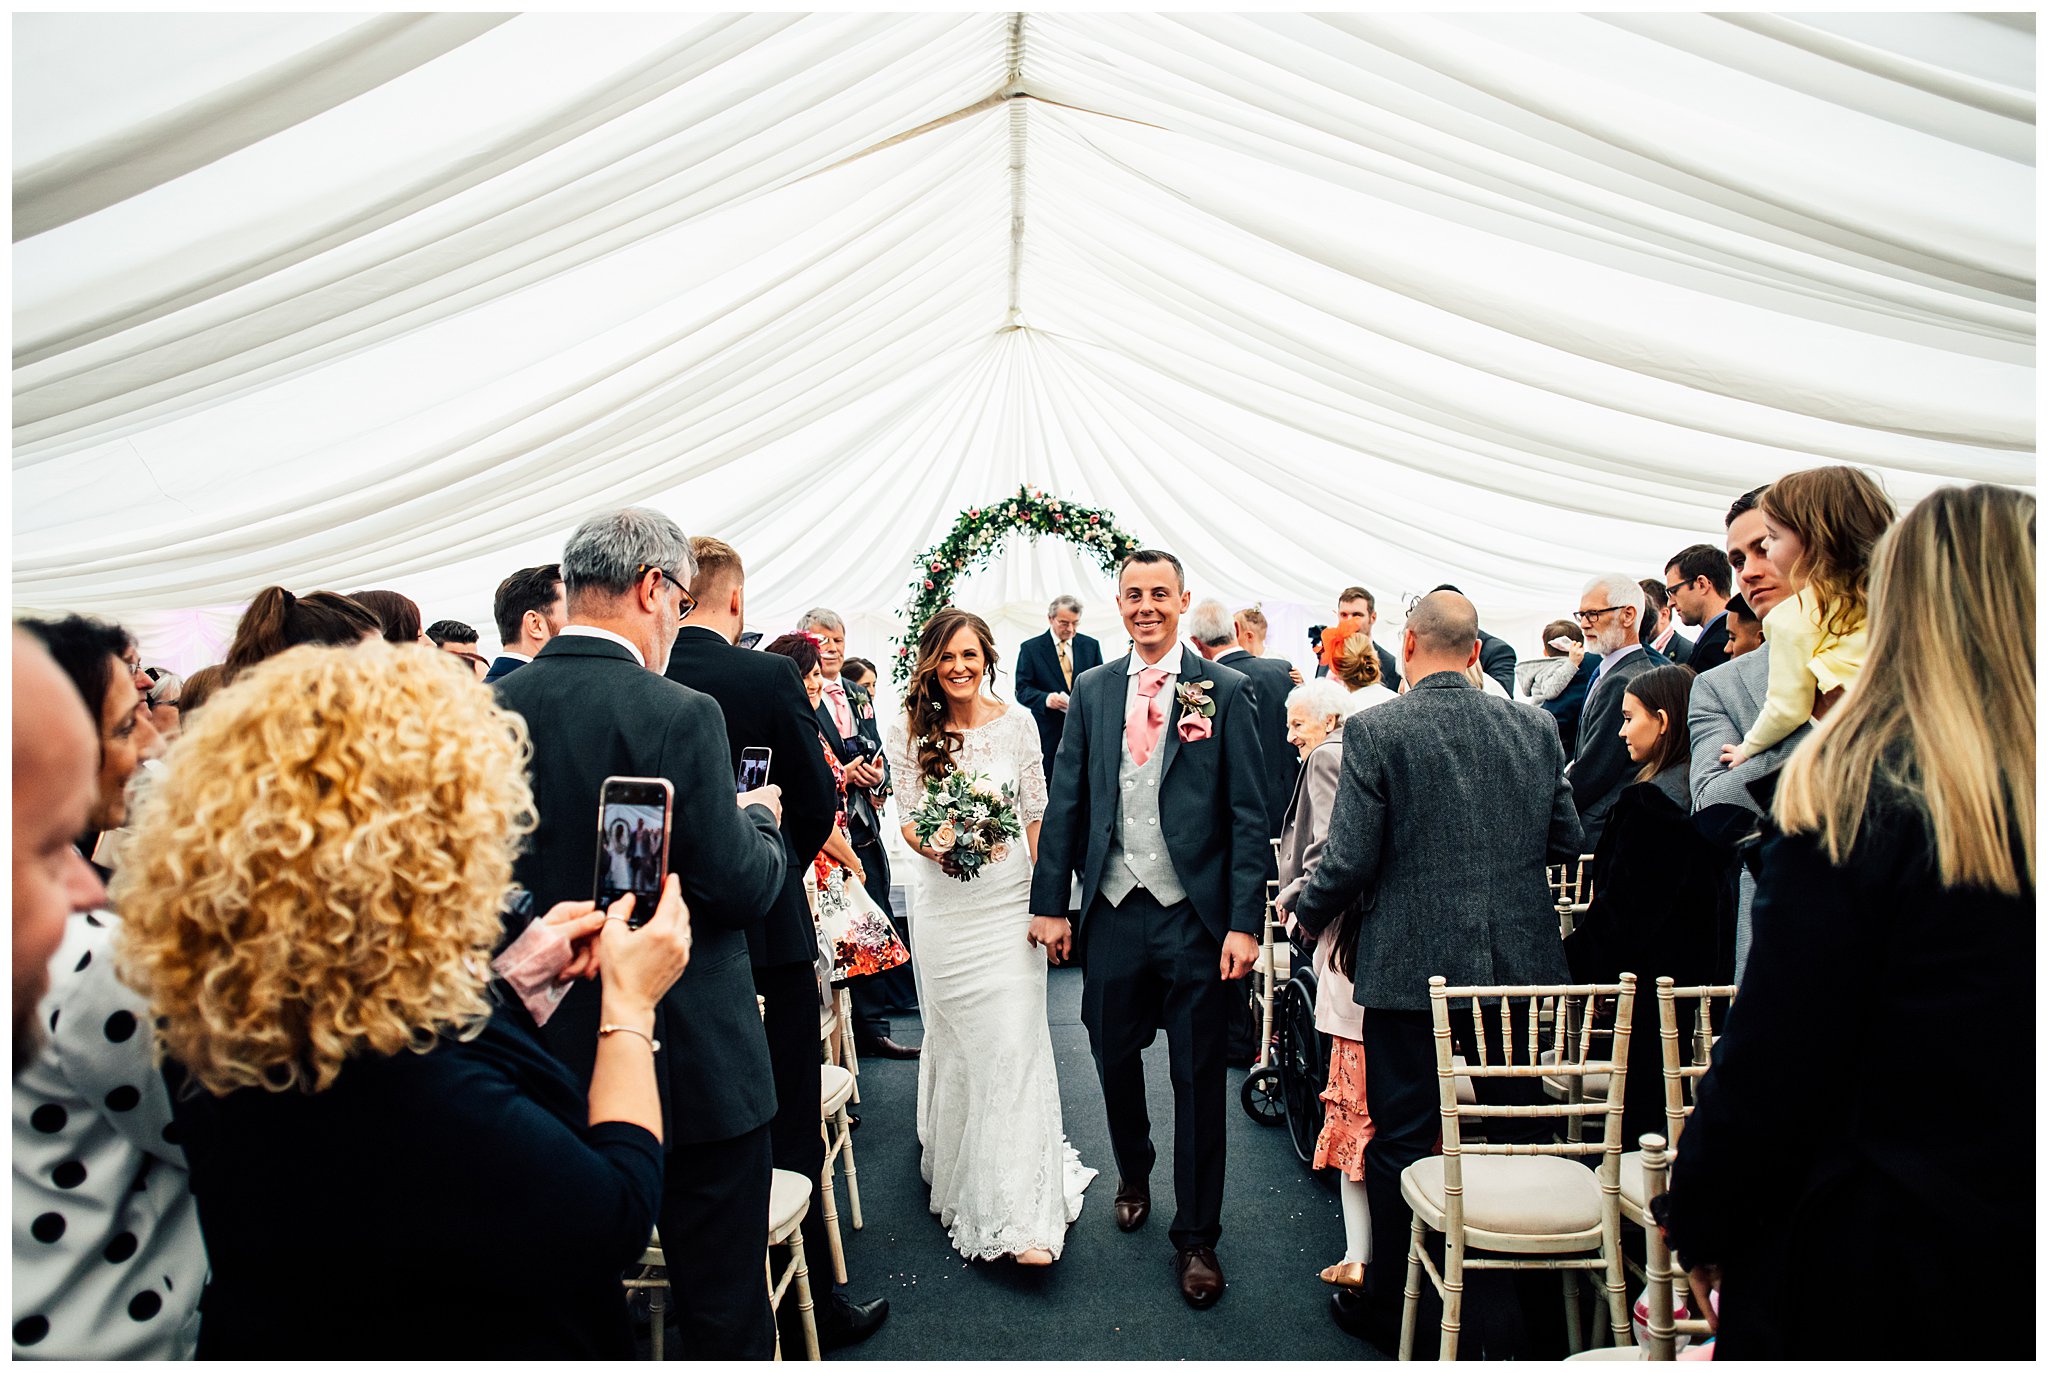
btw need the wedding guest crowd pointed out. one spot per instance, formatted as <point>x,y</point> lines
<point>1834,791</point>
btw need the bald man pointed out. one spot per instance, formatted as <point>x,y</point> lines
<point>56,767</point>
<point>1449,805</point>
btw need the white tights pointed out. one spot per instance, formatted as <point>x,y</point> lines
<point>1357,1221</point>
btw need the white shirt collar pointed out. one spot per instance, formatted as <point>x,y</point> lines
<point>1170,664</point>
<point>514,653</point>
<point>593,632</point>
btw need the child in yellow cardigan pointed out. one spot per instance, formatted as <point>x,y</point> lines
<point>1821,526</point>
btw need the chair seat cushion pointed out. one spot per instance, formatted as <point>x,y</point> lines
<point>835,1085</point>
<point>1534,1195</point>
<point>789,1196</point>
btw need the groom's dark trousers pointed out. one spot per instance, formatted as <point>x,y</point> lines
<point>1152,968</point>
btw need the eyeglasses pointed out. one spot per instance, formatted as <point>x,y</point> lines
<point>689,601</point>
<point>1675,588</point>
<point>1586,617</point>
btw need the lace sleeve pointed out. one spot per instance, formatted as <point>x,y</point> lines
<point>909,789</point>
<point>1030,768</point>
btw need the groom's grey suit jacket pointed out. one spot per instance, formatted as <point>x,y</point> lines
<point>1212,800</point>
<point>1449,805</point>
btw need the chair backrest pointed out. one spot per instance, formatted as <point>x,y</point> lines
<point>1571,884</point>
<point>1686,1030</point>
<point>1524,1018</point>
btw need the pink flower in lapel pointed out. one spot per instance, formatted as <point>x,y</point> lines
<point>1193,727</point>
<point>1197,709</point>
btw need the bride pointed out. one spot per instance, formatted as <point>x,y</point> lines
<point>1004,1179</point>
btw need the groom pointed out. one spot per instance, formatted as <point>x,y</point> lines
<point>1157,801</point>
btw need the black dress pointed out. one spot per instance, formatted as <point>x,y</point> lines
<point>452,1204</point>
<point>1663,906</point>
<point>1890,1123</point>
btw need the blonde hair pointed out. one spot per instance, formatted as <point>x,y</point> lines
<point>1358,662</point>
<point>1943,713</point>
<point>320,873</point>
<point>1839,514</point>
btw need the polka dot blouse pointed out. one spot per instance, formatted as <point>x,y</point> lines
<point>108,1261</point>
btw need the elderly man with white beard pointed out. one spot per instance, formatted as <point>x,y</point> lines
<point>1610,611</point>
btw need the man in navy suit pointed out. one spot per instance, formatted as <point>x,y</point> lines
<point>1046,669</point>
<point>1698,580</point>
<point>530,609</point>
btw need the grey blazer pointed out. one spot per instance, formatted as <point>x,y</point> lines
<point>1306,828</point>
<point>1449,805</point>
<point>1212,799</point>
<point>1601,767</point>
<point>1725,702</point>
<point>1271,680</point>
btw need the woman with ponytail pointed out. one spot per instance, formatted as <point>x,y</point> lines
<point>277,620</point>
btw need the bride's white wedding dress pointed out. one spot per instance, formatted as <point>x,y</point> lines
<point>1003,1177</point>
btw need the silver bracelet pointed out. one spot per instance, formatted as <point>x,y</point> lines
<point>652,1043</point>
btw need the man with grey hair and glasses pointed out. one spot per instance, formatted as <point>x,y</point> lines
<point>596,705</point>
<point>1611,614</point>
<point>846,717</point>
<point>1046,668</point>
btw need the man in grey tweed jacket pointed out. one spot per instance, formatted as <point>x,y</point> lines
<point>1449,805</point>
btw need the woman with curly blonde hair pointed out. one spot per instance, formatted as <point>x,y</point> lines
<point>312,900</point>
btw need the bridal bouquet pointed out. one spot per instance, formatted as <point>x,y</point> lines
<point>967,822</point>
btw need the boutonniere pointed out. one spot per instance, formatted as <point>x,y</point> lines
<point>867,710</point>
<point>1197,708</point>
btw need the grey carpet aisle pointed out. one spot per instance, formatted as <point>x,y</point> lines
<point>1112,1295</point>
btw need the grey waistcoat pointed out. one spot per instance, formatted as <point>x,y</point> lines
<point>1144,861</point>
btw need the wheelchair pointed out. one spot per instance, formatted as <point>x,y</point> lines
<point>1285,1086</point>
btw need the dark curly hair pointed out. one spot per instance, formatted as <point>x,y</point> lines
<point>924,703</point>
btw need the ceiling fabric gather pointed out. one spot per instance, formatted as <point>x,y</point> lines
<point>1311,299</point>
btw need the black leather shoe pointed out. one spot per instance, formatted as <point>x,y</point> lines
<point>1377,1325</point>
<point>842,1323</point>
<point>1201,1277</point>
<point>884,1047</point>
<point>1133,1204</point>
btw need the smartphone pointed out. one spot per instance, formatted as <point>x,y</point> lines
<point>633,815</point>
<point>754,760</point>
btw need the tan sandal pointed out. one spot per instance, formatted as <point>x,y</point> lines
<point>1345,1275</point>
<point>1035,1258</point>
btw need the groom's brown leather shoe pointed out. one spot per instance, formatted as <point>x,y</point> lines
<point>1201,1277</point>
<point>1133,1204</point>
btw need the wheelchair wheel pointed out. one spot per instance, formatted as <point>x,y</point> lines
<point>1261,1096</point>
<point>1304,1064</point>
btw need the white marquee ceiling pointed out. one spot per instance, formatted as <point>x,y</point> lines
<point>1311,299</point>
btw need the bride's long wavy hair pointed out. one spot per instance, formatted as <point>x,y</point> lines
<point>924,703</point>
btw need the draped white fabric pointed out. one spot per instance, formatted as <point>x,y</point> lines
<point>1499,300</point>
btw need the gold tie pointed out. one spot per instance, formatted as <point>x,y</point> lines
<point>1066,664</point>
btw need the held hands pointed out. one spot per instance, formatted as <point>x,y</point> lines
<point>640,965</point>
<point>769,797</point>
<point>1240,952</point>
<point>1054,934</point>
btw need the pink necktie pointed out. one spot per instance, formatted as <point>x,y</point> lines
<point>841,716</point>
<point>1142,726</point>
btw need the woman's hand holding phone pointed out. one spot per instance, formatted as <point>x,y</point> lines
<point>579,922</point>
<point>640,965</point>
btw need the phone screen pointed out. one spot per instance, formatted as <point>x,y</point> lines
<point>632,843</point>
<point>754,768</point>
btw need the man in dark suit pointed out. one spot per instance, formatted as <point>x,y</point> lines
<point>1448,806</point>
<point>1610,611</point>
<point>1660,626</point>
<point>1047,667</point>
<point>1356,605</point>
<point>530,609</point>
<point>764,704</point>
<point>596,706</point>
<point>1158,802</point>
<point>846,714</point>
<point>1496,655</point>
<point>1215,638</point>
<point>1698,580</point>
